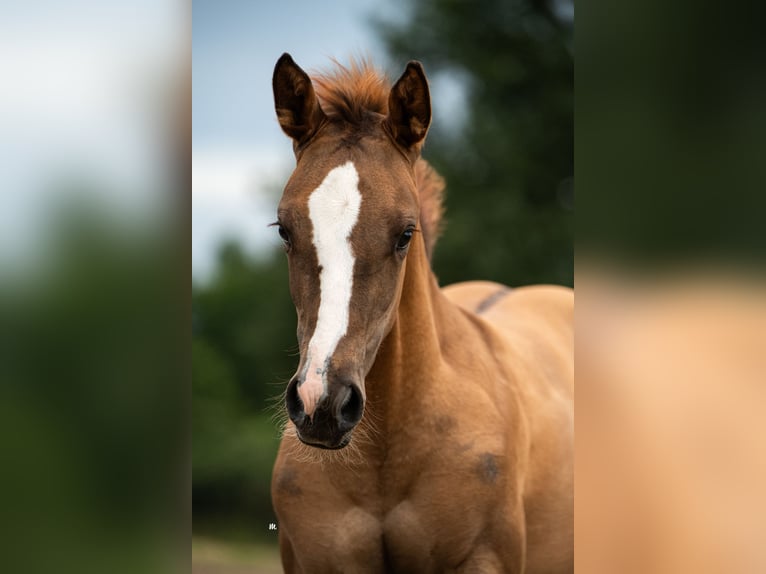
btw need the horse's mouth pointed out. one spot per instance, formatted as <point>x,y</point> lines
<point>344,442</point>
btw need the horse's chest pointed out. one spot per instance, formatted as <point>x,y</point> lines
<point>439,523</point>
<point>413,542</point>
<point>419,516</point>
<point>405,540</point>
<point>433,529</point>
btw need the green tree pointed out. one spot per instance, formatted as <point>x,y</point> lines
<point>243,331</point>
<point>245,314</point>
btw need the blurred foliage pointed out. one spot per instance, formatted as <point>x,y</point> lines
<point>91,405</point>
<point>243,325</point>
<point>509,165</point>
<point>671,153</point>
<point>246,312</point>
<point>509,172</point>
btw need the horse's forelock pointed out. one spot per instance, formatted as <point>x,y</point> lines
<point>350,92</point>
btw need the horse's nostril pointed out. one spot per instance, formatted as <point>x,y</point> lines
<point>294,403</point>
<point>351,410</point>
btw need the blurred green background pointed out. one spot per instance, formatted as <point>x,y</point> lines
<point>507,156</point>
<point>94,288</point>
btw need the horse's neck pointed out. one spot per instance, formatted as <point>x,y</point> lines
<point>411,354</point>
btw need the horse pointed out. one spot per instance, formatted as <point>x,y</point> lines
<point>430,430</point>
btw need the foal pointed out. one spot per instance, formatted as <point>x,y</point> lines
<point>431,430</point>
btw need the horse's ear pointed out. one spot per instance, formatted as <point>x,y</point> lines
<point>409,107</point>
<point>298,109</point>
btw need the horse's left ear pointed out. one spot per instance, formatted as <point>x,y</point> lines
<point>298,109</point>
<point>409,108</point>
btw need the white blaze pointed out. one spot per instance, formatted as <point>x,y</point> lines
<point>334,210</point>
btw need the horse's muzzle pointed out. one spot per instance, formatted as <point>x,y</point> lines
<point>336,415</point>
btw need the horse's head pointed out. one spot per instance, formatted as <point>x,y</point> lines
<point>346,217</point>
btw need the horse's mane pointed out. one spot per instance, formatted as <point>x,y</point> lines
<point>349,93</point>
<point>431,190</point>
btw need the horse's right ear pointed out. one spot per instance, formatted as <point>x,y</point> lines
<point>298,109</point>
<point>409,108</point>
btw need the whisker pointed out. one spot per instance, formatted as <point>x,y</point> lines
<point>351,458</point>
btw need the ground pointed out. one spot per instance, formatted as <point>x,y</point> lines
<point>216,557</point>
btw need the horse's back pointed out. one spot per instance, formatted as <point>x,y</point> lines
<point>488,298</point>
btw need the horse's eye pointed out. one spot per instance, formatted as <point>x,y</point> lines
<point>283,233</point>
<point>404,240</point>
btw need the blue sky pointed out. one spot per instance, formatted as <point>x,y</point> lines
<point>235,46</point>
